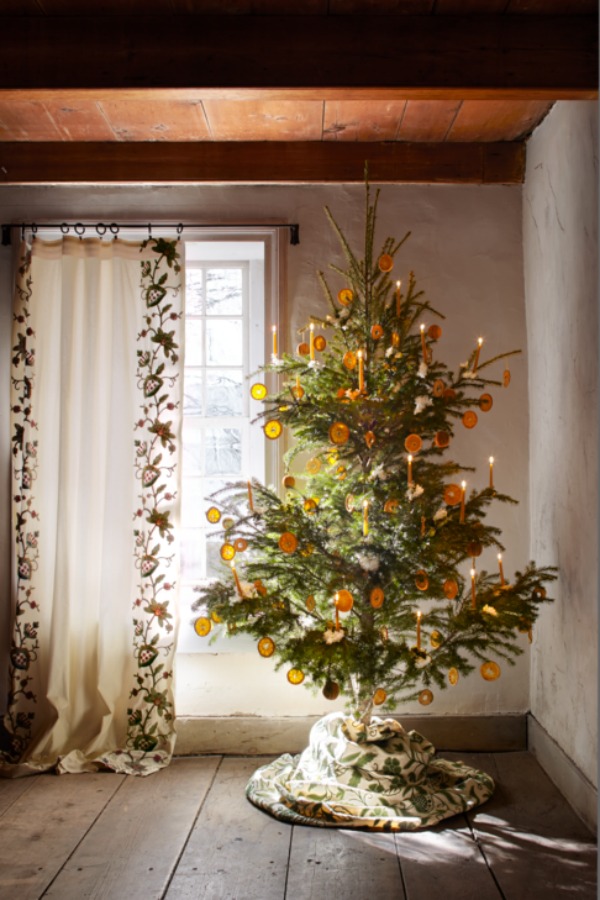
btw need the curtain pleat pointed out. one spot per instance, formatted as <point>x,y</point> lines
<point>96,401</point>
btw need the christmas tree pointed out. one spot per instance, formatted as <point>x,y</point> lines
<point>362,577</point>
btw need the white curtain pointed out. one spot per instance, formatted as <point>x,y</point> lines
<point>96,399</point>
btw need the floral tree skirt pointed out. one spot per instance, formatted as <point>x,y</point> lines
<point>375,776</point>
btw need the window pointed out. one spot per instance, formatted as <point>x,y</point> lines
<point>228,303</point>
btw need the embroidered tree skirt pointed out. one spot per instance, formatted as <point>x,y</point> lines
<point>377,776</point>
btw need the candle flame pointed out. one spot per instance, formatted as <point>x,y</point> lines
<point>480,341</point>
<point>473,573</point>
<point>422,326</point>
<point>360,354</point>
<point>398,283</point>
<point>365,504</point>
<point>312,326</point>
<point>491,460</point>
<point>419,615</point>
<point>499,557</point>
<point>410,457</point>
<point>463,485</point>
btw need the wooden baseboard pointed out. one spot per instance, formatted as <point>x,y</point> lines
<point>571,782</point>
<point>260,736</point>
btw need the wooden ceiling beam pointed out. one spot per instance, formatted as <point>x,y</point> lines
<point>260,163</point>
<point>305,57</point>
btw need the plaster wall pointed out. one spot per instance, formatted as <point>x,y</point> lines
<point>560,234</point>
<point>466,252</point>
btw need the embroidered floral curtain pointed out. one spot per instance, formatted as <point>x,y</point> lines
<point>96,399</point>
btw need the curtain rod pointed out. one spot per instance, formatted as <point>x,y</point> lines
<point>113,228</point>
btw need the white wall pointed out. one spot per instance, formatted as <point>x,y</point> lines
<point>560,232</point>
<point>466,252</point>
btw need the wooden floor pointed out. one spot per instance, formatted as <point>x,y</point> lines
<point>189,832</point>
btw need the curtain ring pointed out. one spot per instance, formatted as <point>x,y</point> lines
<point>179,230</point>
<point>114,229</point>
<point>101,229</point>
<point>34,229</point>
<point>79,229</point>
<point>65,228</point>
<point>149,231</point>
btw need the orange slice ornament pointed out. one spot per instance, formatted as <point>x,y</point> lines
<point>452,494</point>
<point>272,429</point>
<point>450,588</point>
<point>486,402</point>
<point>490,671</point>
<point>434,332</point>
<point>376,332</point>
<point>288,481</point>
<point>349,359</point>
<point>421,580</point>
<point>344,601</point>
<point>441,439</point>
<point>345,296</point>
<point>313,466</point>
<point>310,603</point>
<point>240,544</point>
<point>320,343</point>
<point>470,419</point>
<point>453,676</point>
<point>227,552</point>
<point>376,598</point>
<point>391,506</point>
<point>506,378</point>
<point>331,690</point>
<point>295,676</point>
<point>303,349</point>
<point>213,515</point>
<point>370,439</point>
<point>288,542</point>
<point>339,433</point>
<point>379,697</point>
<point>385,263</point>
<point>438,388</point>
<point>258,391</point>
<point>202,626</point>
<point>413,443</point>
<point>266,647</point>
<point>425,697</point>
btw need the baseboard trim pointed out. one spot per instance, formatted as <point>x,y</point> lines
<point>577,790</point>
<point>262,736</point>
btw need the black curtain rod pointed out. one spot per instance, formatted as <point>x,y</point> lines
<point>113,228</point>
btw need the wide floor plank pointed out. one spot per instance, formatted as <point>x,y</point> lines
<point>13,788</point>
<point>42,828</point>
<point>132,849</point>
<point>533,841</point>
<point>328,861</point>
<point>235,851</point>
<point>445,862</point>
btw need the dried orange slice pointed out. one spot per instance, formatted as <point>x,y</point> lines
<point>339,433</point>
<point>341,472</point>
<point>452,494</point>
<point>288,542</point>
<point>303,349</point>
<point>344,601</point>
<point>379,697</point>
<point>298,391</point>
<point>425,697</point>
<point>288,481</point>
<point>349,359</point>
<point>308,550</point>
<point>258,391</point>
<point>370,439</point>
<point>295,676</point>
<point>435,639</point>
<point>227,552</point>
<point>422,580</point>
<point>376,332</point>
<point>240,545</point>
<point>438,388</point>
<point>486,402</point>
<point>310,504</point>
<point>350,503</point>
<point>449,394</point>
<point>506,378</point>
<point>385,263</point>
<point>384,634</point>
<point>413,443</point>
<point>434,332</point>
<point>310,603</point>
<point>213,515</point>
<point>266,646</point>
<point>216,617</point>
<point>227,523</point>
<point>391,506</point>
<point>453,676</point>
<point>490,671</point>
<point>376,598</point>
<point>474,548</point>
<point>469,419</point>
<point>260,587</point>
<point>320,343</point>
<point>441,439</point>
<point>331,690</point>
<point>202,626</point>
<point>272,429</point>
<point>345,296</point>
<point>313,466</point>
<point>539,593</point>
<point>450,588</point>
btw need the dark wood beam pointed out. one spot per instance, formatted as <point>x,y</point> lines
<point>260,163</point>
<point>425,57</point>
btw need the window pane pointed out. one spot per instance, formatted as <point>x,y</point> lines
<point>224,342</point>
<point>193,342</point>
<point>215,567</point>
<point>193,506</point>
<point>192,393</point>
<point>224,393</point>
<point>223,451</point>
<point>191,448</point>
<point>224,292</point>
<point>192,553</point>
<point>193,292</point>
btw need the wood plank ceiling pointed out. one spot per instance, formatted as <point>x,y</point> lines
<point>146,90</point>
